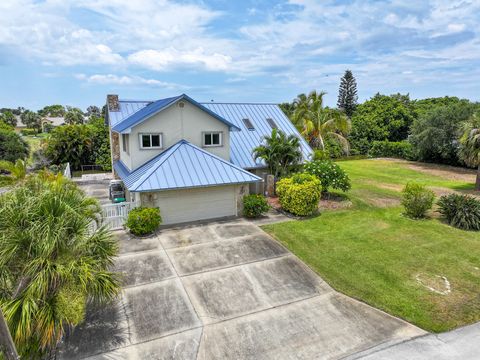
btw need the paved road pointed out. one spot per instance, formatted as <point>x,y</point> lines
<point>461,344</point>
<point>226,291</point>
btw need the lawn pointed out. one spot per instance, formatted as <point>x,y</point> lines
<point>373,253</point>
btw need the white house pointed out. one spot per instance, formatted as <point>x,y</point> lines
<point>192,160</point>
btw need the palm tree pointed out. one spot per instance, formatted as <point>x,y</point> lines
<point>280,152</point>
<point>317,123</point>
<point>470,145</point>
<point>17,171</point>
<point>51,262</point>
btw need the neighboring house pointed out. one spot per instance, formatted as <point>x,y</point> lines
<point>192,160</point>
<point>47,121</point>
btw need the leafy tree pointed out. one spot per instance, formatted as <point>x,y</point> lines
<point>8,117</point>
<point>12,146</point>
<point>287,108</point>
<point>93,112</point>
<point>32,120</point>
<point>423,106</point>
<point>381,118</point>
<point>53,111</point>
<point>74,116</point>
<point>70,143</point>
<point>317,123</point>
<point>470,145</point>
<point>100,143</point>
<point>280,152</point>
<point>51,264</point>
<point>347,93</point>
<point>435,135</point>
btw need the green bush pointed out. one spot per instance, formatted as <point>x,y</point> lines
<point>299,194</point>
<point>28,132</point>
<point>254,205</point>
<point>392,149</point>
<point>461,211</point>
<point>143,220</point>
<point>330,175</point>
<point>417,200</point>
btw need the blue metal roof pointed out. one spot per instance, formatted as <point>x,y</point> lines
<point>183,165</point>
<point>126,109</point>
<point>243,142</point>
<point>153,108</point>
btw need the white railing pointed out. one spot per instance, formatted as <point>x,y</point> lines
<point>67,172</point>
<point>115,215</point>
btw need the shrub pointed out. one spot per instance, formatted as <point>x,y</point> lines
<point>299,194</point>
<point>143,220</point>
<point>28,132</point>
<point>330,175</point>
<point>254,205</point>
<point>12,146</point>
<point>417,200</point>
<point>393,149</point>
<point>461,211</point>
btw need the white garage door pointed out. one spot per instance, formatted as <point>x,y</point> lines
<point>177,206</point>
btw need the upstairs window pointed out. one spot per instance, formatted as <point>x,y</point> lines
<point>211,139</point>
<point>248,124</point>
<point>125,138</point>
<point>272,123</point>
<point>150,141</point>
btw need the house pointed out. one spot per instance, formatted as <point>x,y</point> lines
<point>192,160</point>
<point>46,122</point>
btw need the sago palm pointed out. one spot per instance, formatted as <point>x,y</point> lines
<point>280,152</point>
<point>51,263</point>
<point>470,145</point>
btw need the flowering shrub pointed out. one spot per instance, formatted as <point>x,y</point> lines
<point>330,175</point>
<point>254,205</point>
<point>299,194</point>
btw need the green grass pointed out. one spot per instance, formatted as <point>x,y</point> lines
<point>374,254</point>
<point>34,142</point>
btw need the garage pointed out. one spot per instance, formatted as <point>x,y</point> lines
<point>179,206</point>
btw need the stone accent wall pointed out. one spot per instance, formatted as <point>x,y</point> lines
<point>112,102</point>
<point>242,190</point>
<point>115,145</point>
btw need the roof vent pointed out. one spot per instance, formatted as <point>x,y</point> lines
<point>112,102</point>
<point>181,104</point>
<point>248,124</point>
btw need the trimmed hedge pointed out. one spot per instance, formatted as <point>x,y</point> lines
<point>330,175</point>
<point>460,211</point>
<point>417,200</point>
<point>254,205</point>
<point>143,220</point>
<point>400,149</point>
<point>299,194</point>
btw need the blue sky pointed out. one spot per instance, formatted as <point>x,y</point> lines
<point>75,52</point>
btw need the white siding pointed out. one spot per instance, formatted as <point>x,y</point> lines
<point>178,206</point>
<point>176,123</point>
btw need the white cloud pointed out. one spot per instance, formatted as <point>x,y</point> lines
<point>124,80</point>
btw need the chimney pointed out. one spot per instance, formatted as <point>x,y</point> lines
<point>112,102</point>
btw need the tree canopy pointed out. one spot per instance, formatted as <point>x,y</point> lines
<point>347,93</point>
<point>12,146</point>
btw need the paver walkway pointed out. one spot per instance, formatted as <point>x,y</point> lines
<point>226,291</point>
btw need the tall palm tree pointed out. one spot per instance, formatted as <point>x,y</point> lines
<point>470,145</point>
<point>280,152</point>
<point>51,263</point>
<point>317,123</point>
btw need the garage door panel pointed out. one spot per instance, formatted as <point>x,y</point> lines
<point>196,204</point>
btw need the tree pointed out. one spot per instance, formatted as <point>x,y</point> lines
<point>287,108</point>
<point>347,94</point>
<point>469,151</point>
<point>51,264</point>
<point>12,146</point>
<point>8,117</point>
<point>280,152</point>
<point>52,111</point>
<point>100,143</point>
<point>317,123</point>
<point>93,112</point>
<point>435,135</point>
<point>74,116</point>
<point>32,120</point>
<point>381,118</point>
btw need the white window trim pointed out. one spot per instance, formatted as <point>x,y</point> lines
<point>211,133</point>
<point>140,135</point>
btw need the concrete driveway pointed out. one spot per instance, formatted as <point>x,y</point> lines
<point>226,291</point>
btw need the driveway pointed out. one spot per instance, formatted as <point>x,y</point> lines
<point>226,291</point>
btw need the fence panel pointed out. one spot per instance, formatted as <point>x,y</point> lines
<point>115,215</point>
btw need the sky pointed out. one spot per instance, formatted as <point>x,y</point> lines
<point>75,52</point>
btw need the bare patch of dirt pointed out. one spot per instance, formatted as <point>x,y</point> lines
<point>444,171</point>
<point>382,202</point>
<point>334,202</point>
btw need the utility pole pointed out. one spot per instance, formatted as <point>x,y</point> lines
<point>6,341</point>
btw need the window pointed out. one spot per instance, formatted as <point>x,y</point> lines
<point>272,123</point>
<point>125,138</point>
<point>248,124</point>
<point>150,141</point>
<point>212,139</point>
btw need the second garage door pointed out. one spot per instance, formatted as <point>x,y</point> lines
<point>179,206</point>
